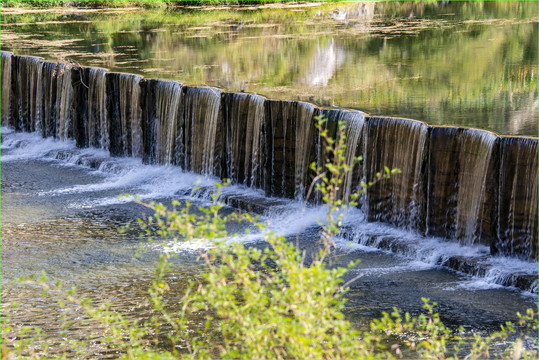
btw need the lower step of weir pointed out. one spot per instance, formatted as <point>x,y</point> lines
<point>478,266</point>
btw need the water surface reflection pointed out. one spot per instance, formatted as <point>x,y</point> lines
<point>453,63</point>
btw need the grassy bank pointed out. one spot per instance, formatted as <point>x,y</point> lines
<point>131,3</point>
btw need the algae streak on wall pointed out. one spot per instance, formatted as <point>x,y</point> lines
<point>468,185</point>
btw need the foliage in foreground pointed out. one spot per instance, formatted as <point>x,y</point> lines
<point>261,303</point>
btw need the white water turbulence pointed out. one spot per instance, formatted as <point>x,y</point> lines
<point>437,253</point>
<point>286,217</point>
<point>61,201</point>
<point>451,185</point>
<point>30,146</point>
<point>119,174</point>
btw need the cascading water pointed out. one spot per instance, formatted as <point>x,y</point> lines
<point>463,184</point>
<point>125,111</point>
<point>26,85</point>
<point>395,143</point>
<point>517,201</point>
<point>280,146</point>
<point>475,195</point>
<point>288,140</point>
<point>64,102</point>
<point>460,199</point>
<point>130,85</point>
<point>243,120</point>
<point>6,87</point>
<point>200,119</point>
<point>97,131</point>
<point>47,114</point>
<point>168,97</point>
<point>254,130</point>
<point>354,122</point>
<point>161,120</point>
<point>304,131</point>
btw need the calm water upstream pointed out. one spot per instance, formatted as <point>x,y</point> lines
<point>445,63</point>
<point>451,63</point>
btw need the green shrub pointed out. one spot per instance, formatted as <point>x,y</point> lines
<point>264,304</point>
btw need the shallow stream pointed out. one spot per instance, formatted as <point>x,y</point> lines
<point>62,217</point>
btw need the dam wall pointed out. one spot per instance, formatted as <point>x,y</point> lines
<point>471,186</point>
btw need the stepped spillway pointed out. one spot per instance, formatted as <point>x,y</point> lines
<point>466,185</point>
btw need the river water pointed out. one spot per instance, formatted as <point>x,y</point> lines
<point>61,214</point>
<point>60,210</point>
<point>451,63</point>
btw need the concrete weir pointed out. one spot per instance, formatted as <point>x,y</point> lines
<point>469,186</point>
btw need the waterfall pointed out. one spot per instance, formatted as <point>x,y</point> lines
<point>305,131</point>
<point>461,184</point>
<point>130,91</point>
<point>254,128</point>
<point>243,117</point>
<point>26,84</point>
<point>64,99</point>
<point>517,202</point>
<point>476,150</point>
<point>125,114</point>
<point>80,102</point>
<point>354,122</point>
<point>168,96</point>
<point>280,148</point>
<point>48,106</point>
<point>395,143</point>
<point>38,113</point>
<point>201,119</point>
<point>6,87</point>
<point>97,131</point>
<point>161,120</point>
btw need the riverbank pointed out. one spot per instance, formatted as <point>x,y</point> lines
<point>97,4</point>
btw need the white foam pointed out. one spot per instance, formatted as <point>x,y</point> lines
<point>195,245</point>
<point>513,265</point>
<point>5,130</point>
<point>28,146</point>
<point>121,175</point>
<point>290,219</point>
<point>293,218</point>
